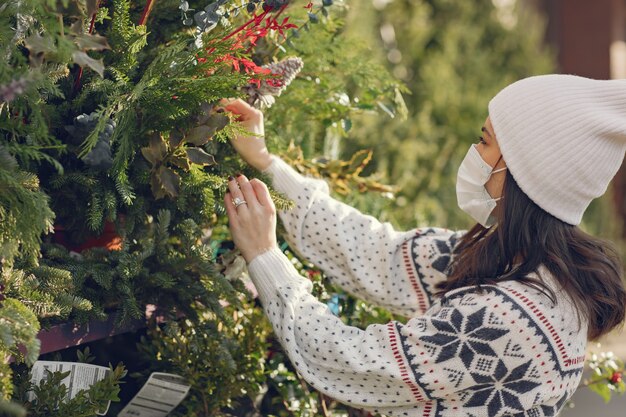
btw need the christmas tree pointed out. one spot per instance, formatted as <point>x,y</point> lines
<point>115,159</point>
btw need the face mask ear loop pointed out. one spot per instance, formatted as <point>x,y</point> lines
<point>496,164</point>
<point>498,170</point>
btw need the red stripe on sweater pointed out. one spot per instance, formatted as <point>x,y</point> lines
<point>557,339</point>
<point>403,367</point>
<point>422,302</point>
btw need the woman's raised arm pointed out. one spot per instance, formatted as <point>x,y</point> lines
<point>369,259</point>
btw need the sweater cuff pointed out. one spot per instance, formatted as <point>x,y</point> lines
<point>285,178</point>
<point>272,270</point>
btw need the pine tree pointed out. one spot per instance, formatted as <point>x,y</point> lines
<point>108,124</point>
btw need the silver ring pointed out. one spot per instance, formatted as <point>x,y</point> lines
<point>238,201</point>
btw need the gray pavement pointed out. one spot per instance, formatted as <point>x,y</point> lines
<point>588,403</point>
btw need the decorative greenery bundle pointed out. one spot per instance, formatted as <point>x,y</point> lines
<point>108,126</point>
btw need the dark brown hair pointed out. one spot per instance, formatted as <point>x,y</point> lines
<point>589,269</point>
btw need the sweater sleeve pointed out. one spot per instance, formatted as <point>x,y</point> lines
<point>460,355</point>
<point>397,270</point>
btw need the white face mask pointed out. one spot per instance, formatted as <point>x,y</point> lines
<point>471,193</point>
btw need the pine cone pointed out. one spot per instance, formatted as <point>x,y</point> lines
<point>263,96</point>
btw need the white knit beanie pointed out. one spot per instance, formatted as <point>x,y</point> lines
<point>562,137</point>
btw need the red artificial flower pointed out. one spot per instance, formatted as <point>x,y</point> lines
<point>247,36</point>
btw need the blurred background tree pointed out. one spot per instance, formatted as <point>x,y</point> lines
<point>455,56</point>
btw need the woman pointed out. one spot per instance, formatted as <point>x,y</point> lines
<point>499,315</point>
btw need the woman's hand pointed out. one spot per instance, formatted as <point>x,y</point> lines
<point>251,148</point>
<point>252,225</point>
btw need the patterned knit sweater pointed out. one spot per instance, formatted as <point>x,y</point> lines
<point>505,351</point>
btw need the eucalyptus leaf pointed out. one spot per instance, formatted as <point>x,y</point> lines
<point>176,136</point>
<point>218,121</point>
<point>88,42</point>
<point>205,113</point>
<point>84,60</point>
<point>157,144</point>
<point>37,44</point>
<point>156,186</point>
<point>156,151</point>
<point>170,181</point>
<point>149,155</point>
<point>180,162</point>
<point>200,135</point>
<point>38,47</point>
<point>77,27</point>
<point>198,156</point>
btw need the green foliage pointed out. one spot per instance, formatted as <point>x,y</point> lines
<point>24,211</point>
<point>296,398</point>
<point>18,327</point>
<point>167,267</point>
<point>47,291</point>
<point>336,85</point>
<point>11,409</point>
<point>344,176</point>
<point>221,358</point>
<point>50,44</point>
<point>455,56</point>
<point>126,40</point>
<point>51,395</point>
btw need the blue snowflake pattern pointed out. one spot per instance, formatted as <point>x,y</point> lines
<point>502,389</point>
<point>464,337</point>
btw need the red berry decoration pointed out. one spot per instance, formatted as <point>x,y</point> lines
<point>616,378</point>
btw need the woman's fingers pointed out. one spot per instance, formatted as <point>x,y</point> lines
<point>252,228</point>
<point>235,192</point>
<point>262,193</point>
<point>238,106</point>
<point>231,210</point>
<point>246,189</point>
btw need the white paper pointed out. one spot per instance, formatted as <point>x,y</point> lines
<point>81,377</point>
<point>161,394</point>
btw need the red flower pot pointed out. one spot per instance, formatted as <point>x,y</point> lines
<point>108,239</point>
